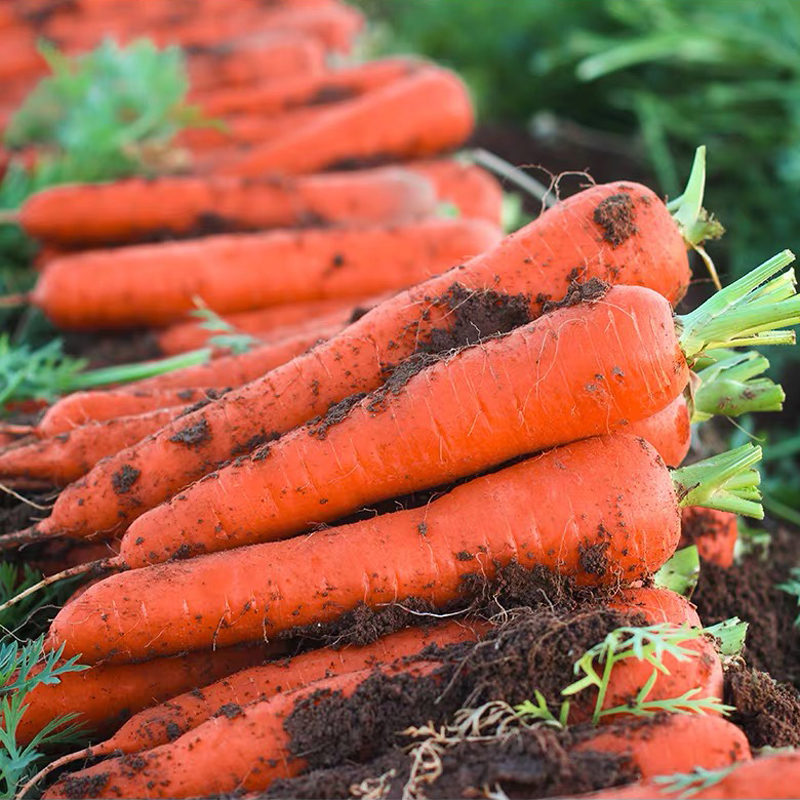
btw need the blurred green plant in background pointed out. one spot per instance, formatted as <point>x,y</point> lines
<point>652,80</point>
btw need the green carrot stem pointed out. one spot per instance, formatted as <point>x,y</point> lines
<point>695,223</point>
<point>739,315</point>
<point>732,386</point>
<point>125,373</point>
<point>681,573</point>
<point>726,482</point>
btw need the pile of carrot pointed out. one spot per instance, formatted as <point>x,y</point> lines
<point>399,406</point>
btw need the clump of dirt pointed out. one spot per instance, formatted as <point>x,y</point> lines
<point>193,435</point>
<point>336,413</point>
<point>749,591</point>
<point>767,711</point>
<point>76,787</point>
<point>124,478</point>
<point>615,215</point>
<point>589,291</point>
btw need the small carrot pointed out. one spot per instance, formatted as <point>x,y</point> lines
<point>132,209</point>
<point>157,284</point>
<point>471,189</point>
<point>600,526</point>
<point>104,696</point>
<point>714,532</point>
<point>775,776</point>
<point>425,114</point>
<point>354,361</point>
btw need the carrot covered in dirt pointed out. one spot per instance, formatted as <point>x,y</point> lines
<point>585,229</point>
<point>157,284</point>
<point>424,114</point>
<point>263,737</point>
<point>601,536</point>
<point>130,210</point>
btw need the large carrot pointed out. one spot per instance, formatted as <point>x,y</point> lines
<point>354,361</point>
<point>427,113</point>
<point>104,696</point>
<point>156,284</point>
<point>127,210</point>
<point>599,526</point>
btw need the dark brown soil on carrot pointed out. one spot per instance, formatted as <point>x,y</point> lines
<point>616,216</point>
<point>124,478</point>
<point>749,591</point>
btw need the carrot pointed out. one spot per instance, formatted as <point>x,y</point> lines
<point>714,532</point>
<point>471,189</point>
<point>668,430</point>
<point>269,322</point>
<point>313,90</point>
<point>127,210</point>
<point>156,284</point>
<point>164,723</point>
<point>69,455</point>
<point>262,747</point>
<point>424,114</point>
<point>354,360</point>
<point>104,696</point>
<point>276,58</point>
<point>673,743</point>
<point>775,776</point>
<point>586,526</point>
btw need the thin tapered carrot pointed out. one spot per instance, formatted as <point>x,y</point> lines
<point>714,532</point>
<point>267,322</point>
<point>157,284</point>
<point>597,532</point>
<point>354,360</point>
<point>330,87</point>
<point>127,210</point>
<point>262,738</point>
<point>67,456</point>
<point>105,696</point>
<point>471,189</point>
<point>163,723</point>
<point>425,114</point>
<point>276,58</point>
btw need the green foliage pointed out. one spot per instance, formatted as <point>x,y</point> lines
<point>23,667</point>
<point>681,573</point>
<point>227,336</point>
<point>792,586</point>
<point>688,784</point>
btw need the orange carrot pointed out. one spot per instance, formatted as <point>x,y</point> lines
<point>314,90</point>
<point>673,743</point>
<point>156,284</point>
<point>424,114</point>
<point>586,525</point>
<point>775,776</point>
<point>714,532</point>
<point>104,696</point>
<point>164,723</point>
<point>471,189</point>
<point>668,430</point>
<point>354,360</point>
<point>276,58</point>
<point>67,456</point>
<point>127,210</point>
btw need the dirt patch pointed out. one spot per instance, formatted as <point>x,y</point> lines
<point>590,291</point>
<point>319,426</point>
<point>749,591</point>
<point>193,435</point>
<point>767,711</point>
<point>254,442</point>
<point>593,559</point>
<point>75,788</point>
<point>124,478</point>
<point>616,216</point>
